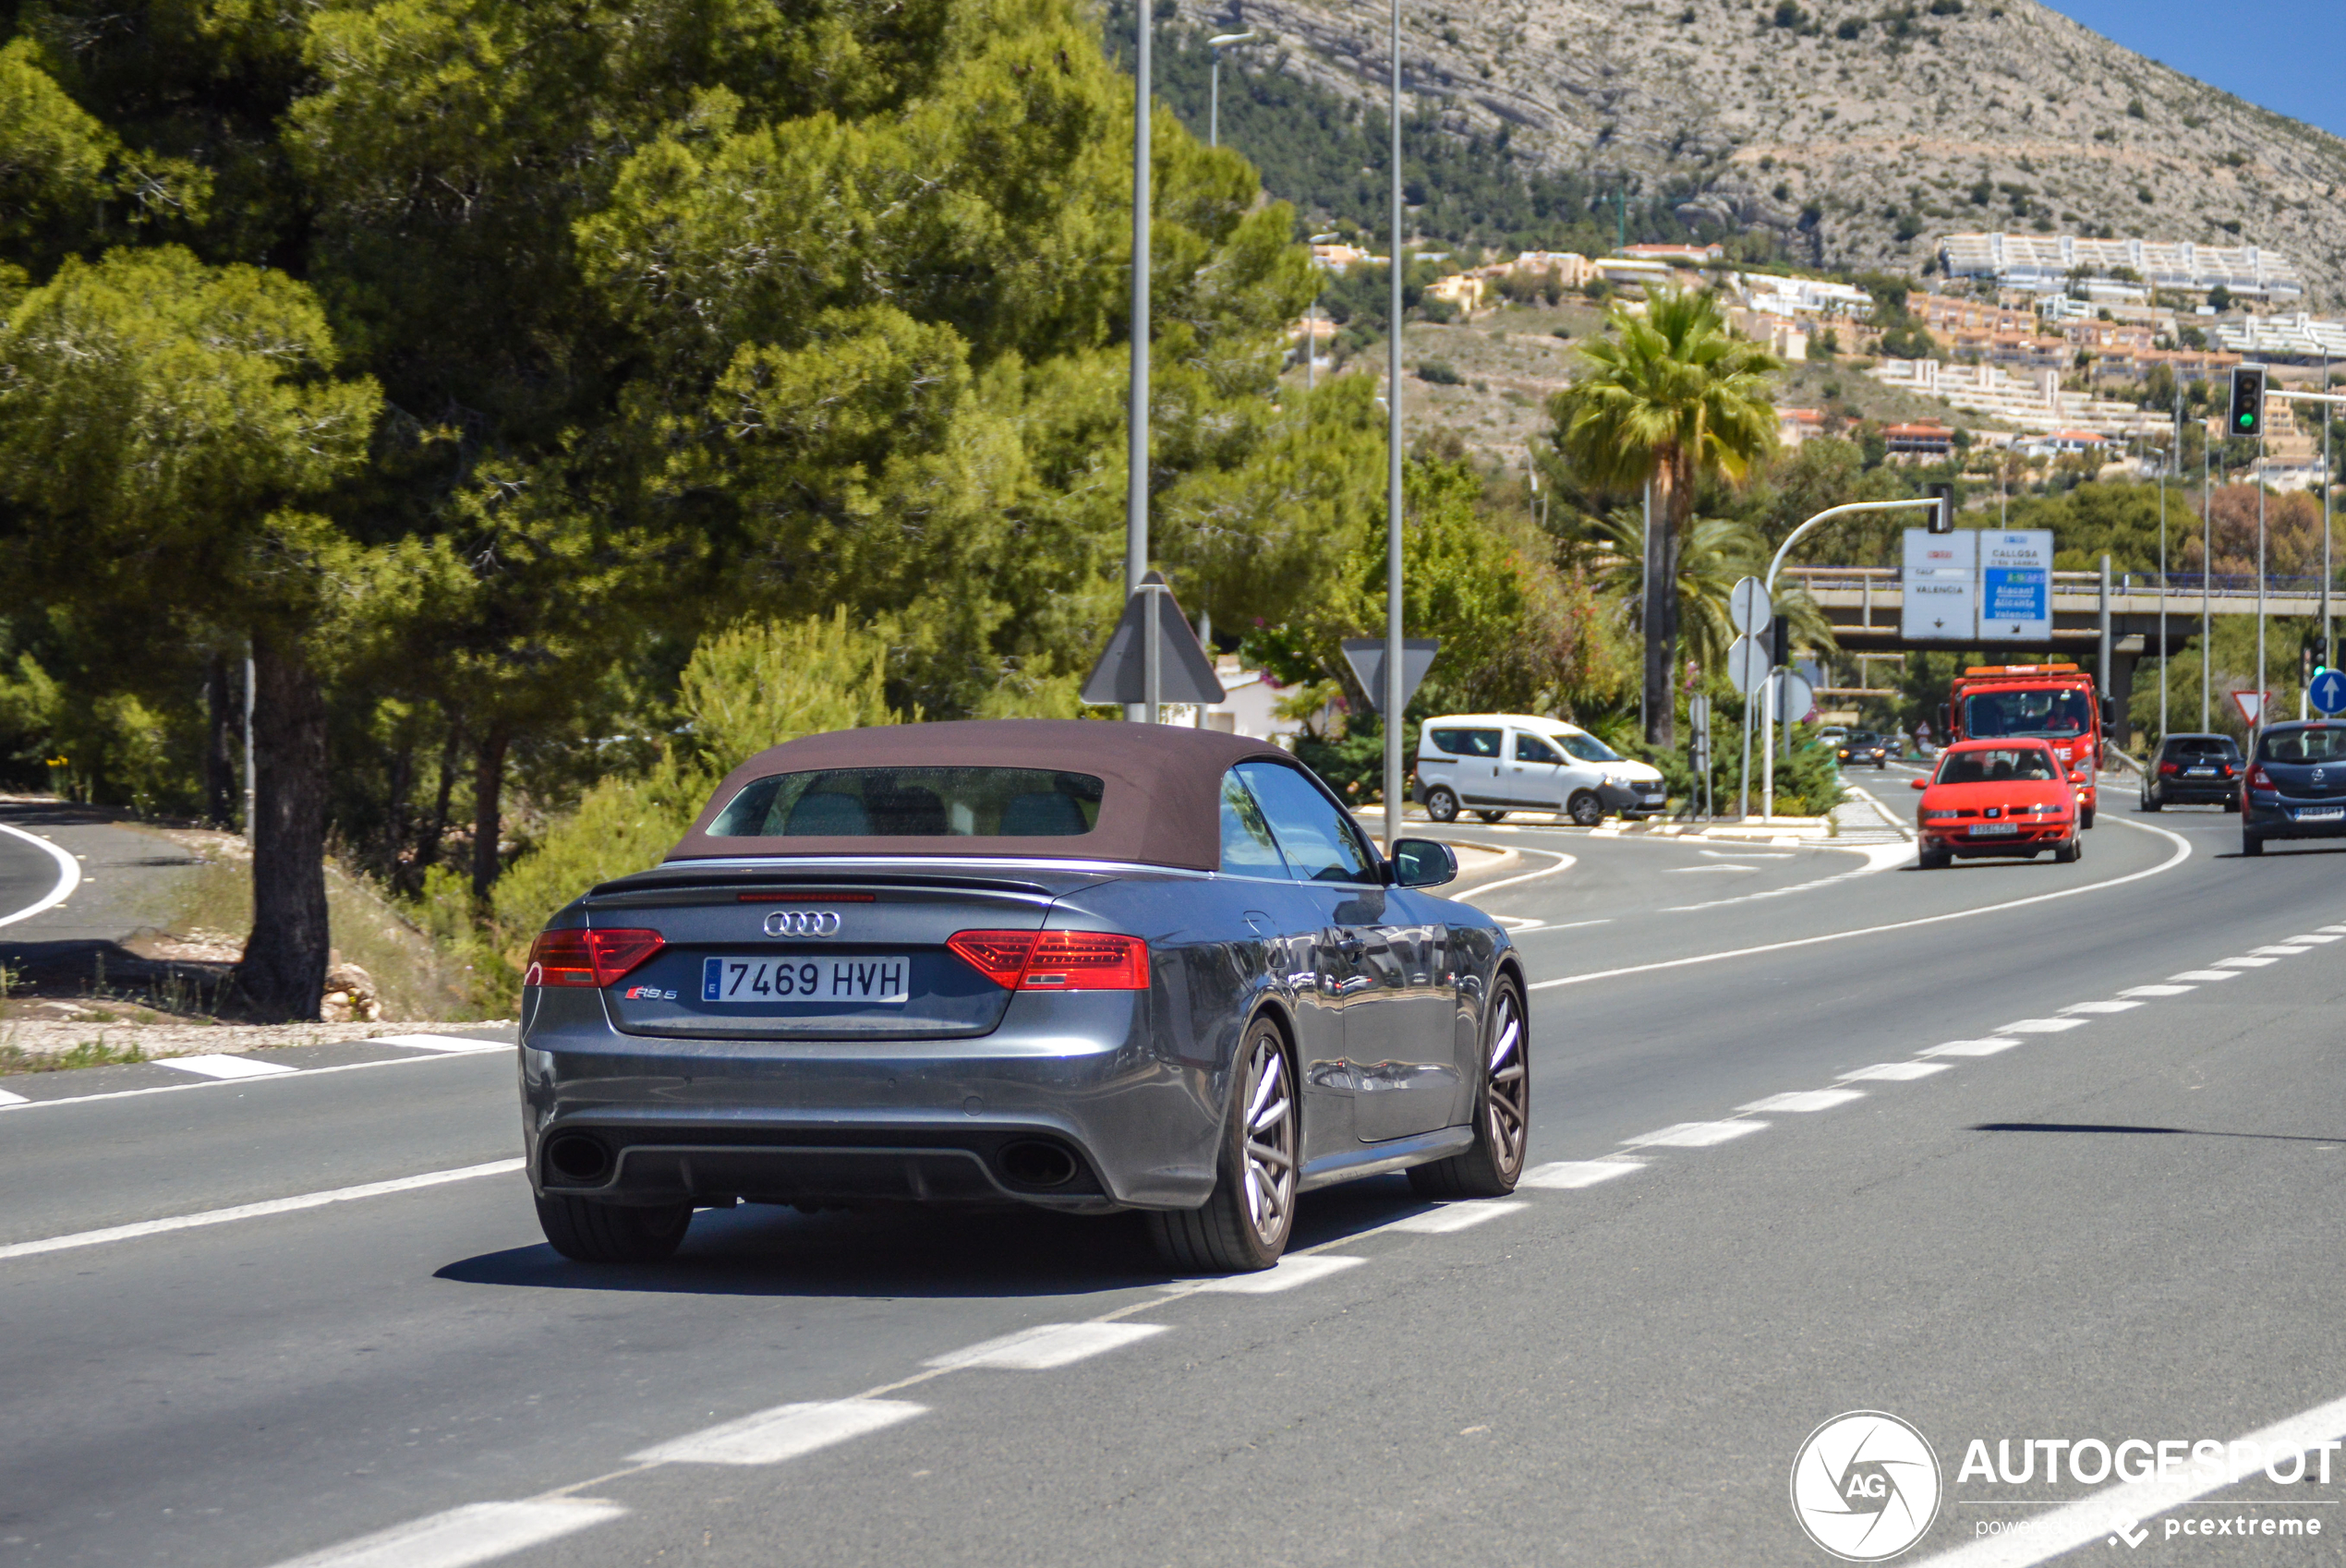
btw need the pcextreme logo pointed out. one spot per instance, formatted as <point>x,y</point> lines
<point>1865,1486</point>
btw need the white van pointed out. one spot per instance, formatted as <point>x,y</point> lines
<point>1496,763</point>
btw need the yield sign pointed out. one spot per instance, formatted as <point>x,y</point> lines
<point>2251,706</point>
<point>1366,656</point>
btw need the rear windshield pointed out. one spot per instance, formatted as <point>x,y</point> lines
<point>915,803</point>
<point>2201,746</point>
<point>1992,714</point>
<point>1995,766</point>
<point>2303,745</point>
<point>1466,743</point>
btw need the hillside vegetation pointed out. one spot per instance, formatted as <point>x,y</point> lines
<point>1850,134</point>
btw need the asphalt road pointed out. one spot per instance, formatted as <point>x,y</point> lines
<point>2117,1222</point>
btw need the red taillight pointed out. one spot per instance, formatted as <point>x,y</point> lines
<point>588,957</point>
<point>2228,770</point>
<point>2169,768</point>
<point>2259,779</point>
<point>1056,960</point>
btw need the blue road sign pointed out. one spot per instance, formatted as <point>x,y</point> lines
<point>2329,692</point>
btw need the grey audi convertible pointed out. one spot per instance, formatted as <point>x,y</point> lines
<point>1085,966</point>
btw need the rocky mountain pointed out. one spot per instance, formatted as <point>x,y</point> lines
<point>1854,132</point>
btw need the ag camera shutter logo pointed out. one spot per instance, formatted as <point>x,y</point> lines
<point>1865,1486</point>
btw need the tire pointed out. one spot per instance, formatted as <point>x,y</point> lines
<point>1585,809</point>
<point>1882,766</point>
<point>1492,816</point>
<point>1502,1110</point>
<point>2067,854</point>
<point>1441,805</point>
<point>1933,859</point>
<point>2086,819</point>
<point>589,1232</point>
<point>1244,1226</point>
<point>2250,843</point>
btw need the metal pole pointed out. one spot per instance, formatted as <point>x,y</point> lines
<point>2260,581</point>
<point>252,688</point>
<point>1645,596</point>
<point>1214,103</point>
<point>1393,486</point>
<point>2207,575</point>
<point>1136,491</point>
<point>1310,345</point>
<point>2326,484</point>
<point>2171,455</point>
<point>1743,791</point>
<point>1152,660</point>
<point>1768,747</point>
<point>2104,679</point>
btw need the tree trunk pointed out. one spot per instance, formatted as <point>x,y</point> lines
<point>283,972</point>
<point>488,783</point>
<point>1661,617</point>
<point>225,723</point>
<point>435,837</point>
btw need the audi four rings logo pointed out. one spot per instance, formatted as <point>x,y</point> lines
<point>802,922</point>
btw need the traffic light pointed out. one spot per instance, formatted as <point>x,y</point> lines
<point>1942,516</point>
<point>2248,402</point>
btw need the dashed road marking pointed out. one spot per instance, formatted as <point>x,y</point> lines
<point>1286,1274</point>
<point>1696,1135</point>
<point>1987,1046</point>
<point>2156,990</point>
<point>2040,1026</point>
<point>224,1067</point>
<point>1569,1174</point>
<point>1046,1345</point>
<point>452,1043</point>
<point>1893,1072</point>
<point>461,1537</point>
<point>784,1432</point>
<point>1807,1100</point>
<point>1453,1216</point>
<point>2198,975</point>
<point>255,1210</point>
<point>2245,960</point>
<point>2115,1005</point>
<point>2312,936</point>
<point>2282,949</point>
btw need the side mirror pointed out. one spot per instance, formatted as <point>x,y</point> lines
<point>1422,863</point>
<point>1918,783</point>
<point>2076,778</point>
<point>2110,713</point>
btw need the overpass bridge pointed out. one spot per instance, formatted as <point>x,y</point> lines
<point>2108,632</point>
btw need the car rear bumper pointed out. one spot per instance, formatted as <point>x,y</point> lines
<point>2195,793</point>
<point>2269,816</point>
<point>1064,1107</point>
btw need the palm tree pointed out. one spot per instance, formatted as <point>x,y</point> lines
<point>1715,553</point>
<point>1665,398</point>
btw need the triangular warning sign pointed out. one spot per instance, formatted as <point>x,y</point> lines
<point>2251,704</point>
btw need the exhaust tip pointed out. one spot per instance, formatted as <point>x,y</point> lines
<point>576,1157</point>
<point>1032,1163</point>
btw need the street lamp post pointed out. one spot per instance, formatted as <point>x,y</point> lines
<point>1136,491</point>
<point>1392,483</point>
<point>1213,93</point>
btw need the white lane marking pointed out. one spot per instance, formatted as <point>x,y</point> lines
<point>1453,1216</point>
<point>2312,936</point>
<point>2157,990</point>
<point>2244,961</point>
<point>2182,854</point>
<point>1741,855</point>
<point>1988,1046</point>
<point>2282,949</point>
<point>2041,1026</point>
<point>2064,1529</point>
<point>1046,1345</point>
<point>1892,1072</point>
<point>476,1533</point>
<point>1807,1100</point>
<point>1898,825</point>
<point>210,1066</point>
<point>2204,974</point>
<point>298,1074</point>
<point>8,1099</point>
<point>1695,1135</point>
<point>255,1210</point>
<point>1564,861</point>
<point>2113,1006</point>
<point>452,1043</point>
<point>784,1432</point>
<point>2334,930</point>
<point>1286,1274</point>
<point>1681,870</point>
<point>69,877</point>
<point>1879,856</point>
<point>1569,1174</point>
<point>1519,922</point>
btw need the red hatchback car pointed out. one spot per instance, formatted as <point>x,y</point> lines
<point>2001,797</point>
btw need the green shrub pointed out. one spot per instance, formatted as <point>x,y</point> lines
<point>1439,372</point>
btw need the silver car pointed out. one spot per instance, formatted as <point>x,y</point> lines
<point>1087,967</point>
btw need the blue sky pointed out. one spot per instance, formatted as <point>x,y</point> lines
<point>2284,55</point>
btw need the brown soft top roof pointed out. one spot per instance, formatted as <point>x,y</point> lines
<point>1162,804</point>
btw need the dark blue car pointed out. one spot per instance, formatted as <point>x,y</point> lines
<point>2296,785</point>
<point>1084,966</point>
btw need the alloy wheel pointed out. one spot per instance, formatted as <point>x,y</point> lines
<point>1268,1140</point>
<point>1507,1107</point>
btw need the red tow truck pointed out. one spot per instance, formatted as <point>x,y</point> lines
<point>2054,702</point>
